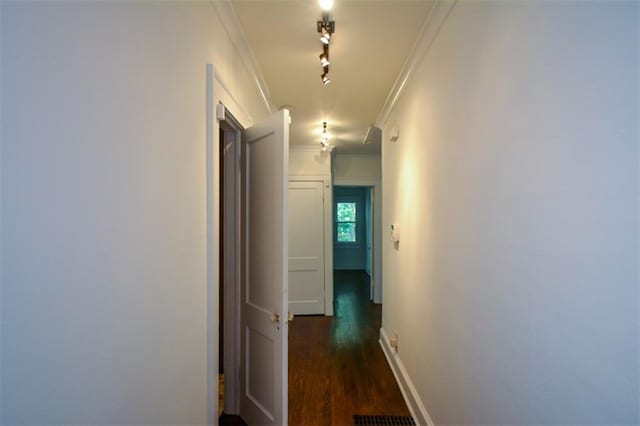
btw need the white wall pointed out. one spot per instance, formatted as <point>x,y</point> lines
<point>104,208</point>
<point>365,170</point>
<point>305,161</point>
<point>357,167</point>
<point>514,289</point>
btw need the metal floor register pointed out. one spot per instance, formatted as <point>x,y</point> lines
<point>383,421</point>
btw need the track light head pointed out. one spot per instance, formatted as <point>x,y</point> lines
<point>325,78</point>
<point>324,59</point>
<point>326,29</point>
<point>325,38</point>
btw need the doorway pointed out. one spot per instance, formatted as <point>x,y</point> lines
<point>249,250</point>
<point>246,175</point>
<point>353,239</point>
<point>229,271</point>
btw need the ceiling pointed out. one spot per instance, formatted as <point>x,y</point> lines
<point>371,43</point>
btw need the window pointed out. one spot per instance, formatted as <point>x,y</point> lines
<point>346,222</point>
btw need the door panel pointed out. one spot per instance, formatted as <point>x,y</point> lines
<point>264,281</point>
<point>306,247</point>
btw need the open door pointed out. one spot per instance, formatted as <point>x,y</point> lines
<point>264,308</point>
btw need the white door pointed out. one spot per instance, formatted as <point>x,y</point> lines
<point>263,375</point>
<point>306,247</point>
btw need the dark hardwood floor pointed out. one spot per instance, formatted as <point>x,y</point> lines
<point>336,366</point>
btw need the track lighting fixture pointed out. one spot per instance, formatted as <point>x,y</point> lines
<point>326,27</point>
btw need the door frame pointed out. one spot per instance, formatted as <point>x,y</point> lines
<point>218,101</point>
<point>232,265</point>
<point>328,235</point>
<point>376,276</point>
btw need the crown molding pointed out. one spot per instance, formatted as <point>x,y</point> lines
<point>232,26</point>
<point>428,33</point>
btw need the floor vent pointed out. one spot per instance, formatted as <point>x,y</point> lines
<point>383,421</point>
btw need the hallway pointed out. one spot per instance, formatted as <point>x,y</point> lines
<point>336,366</point>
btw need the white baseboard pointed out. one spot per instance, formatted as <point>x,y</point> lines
<point>415,405</point>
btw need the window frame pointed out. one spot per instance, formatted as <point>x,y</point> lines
<point>359,222</point>
<point>355,222</point>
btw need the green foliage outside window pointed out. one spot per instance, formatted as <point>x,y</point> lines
<point>346,222</point>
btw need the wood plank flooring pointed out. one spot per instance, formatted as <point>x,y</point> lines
<point>336,366</point>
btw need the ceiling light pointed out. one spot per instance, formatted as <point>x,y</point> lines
<point>325,135</point>
<point>326,4</point>
<point>324,59</point>
<point>325,78</point>
<point>324,138</point>
<point>325,38</point>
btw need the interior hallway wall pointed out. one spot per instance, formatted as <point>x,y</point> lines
<point>514,288</point>
<point>104,228</point>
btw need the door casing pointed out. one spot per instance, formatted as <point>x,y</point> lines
<point>219,101</point>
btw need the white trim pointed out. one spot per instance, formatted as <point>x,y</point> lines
<point>428,33</point>
<point>231,104</point>
<point>224,97</point>
<point>355,182</point>
<point>306,148</point>
<point>409,392</point>
<point>232,26</point>
<point>328,235</point>
<point>213,194</point>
